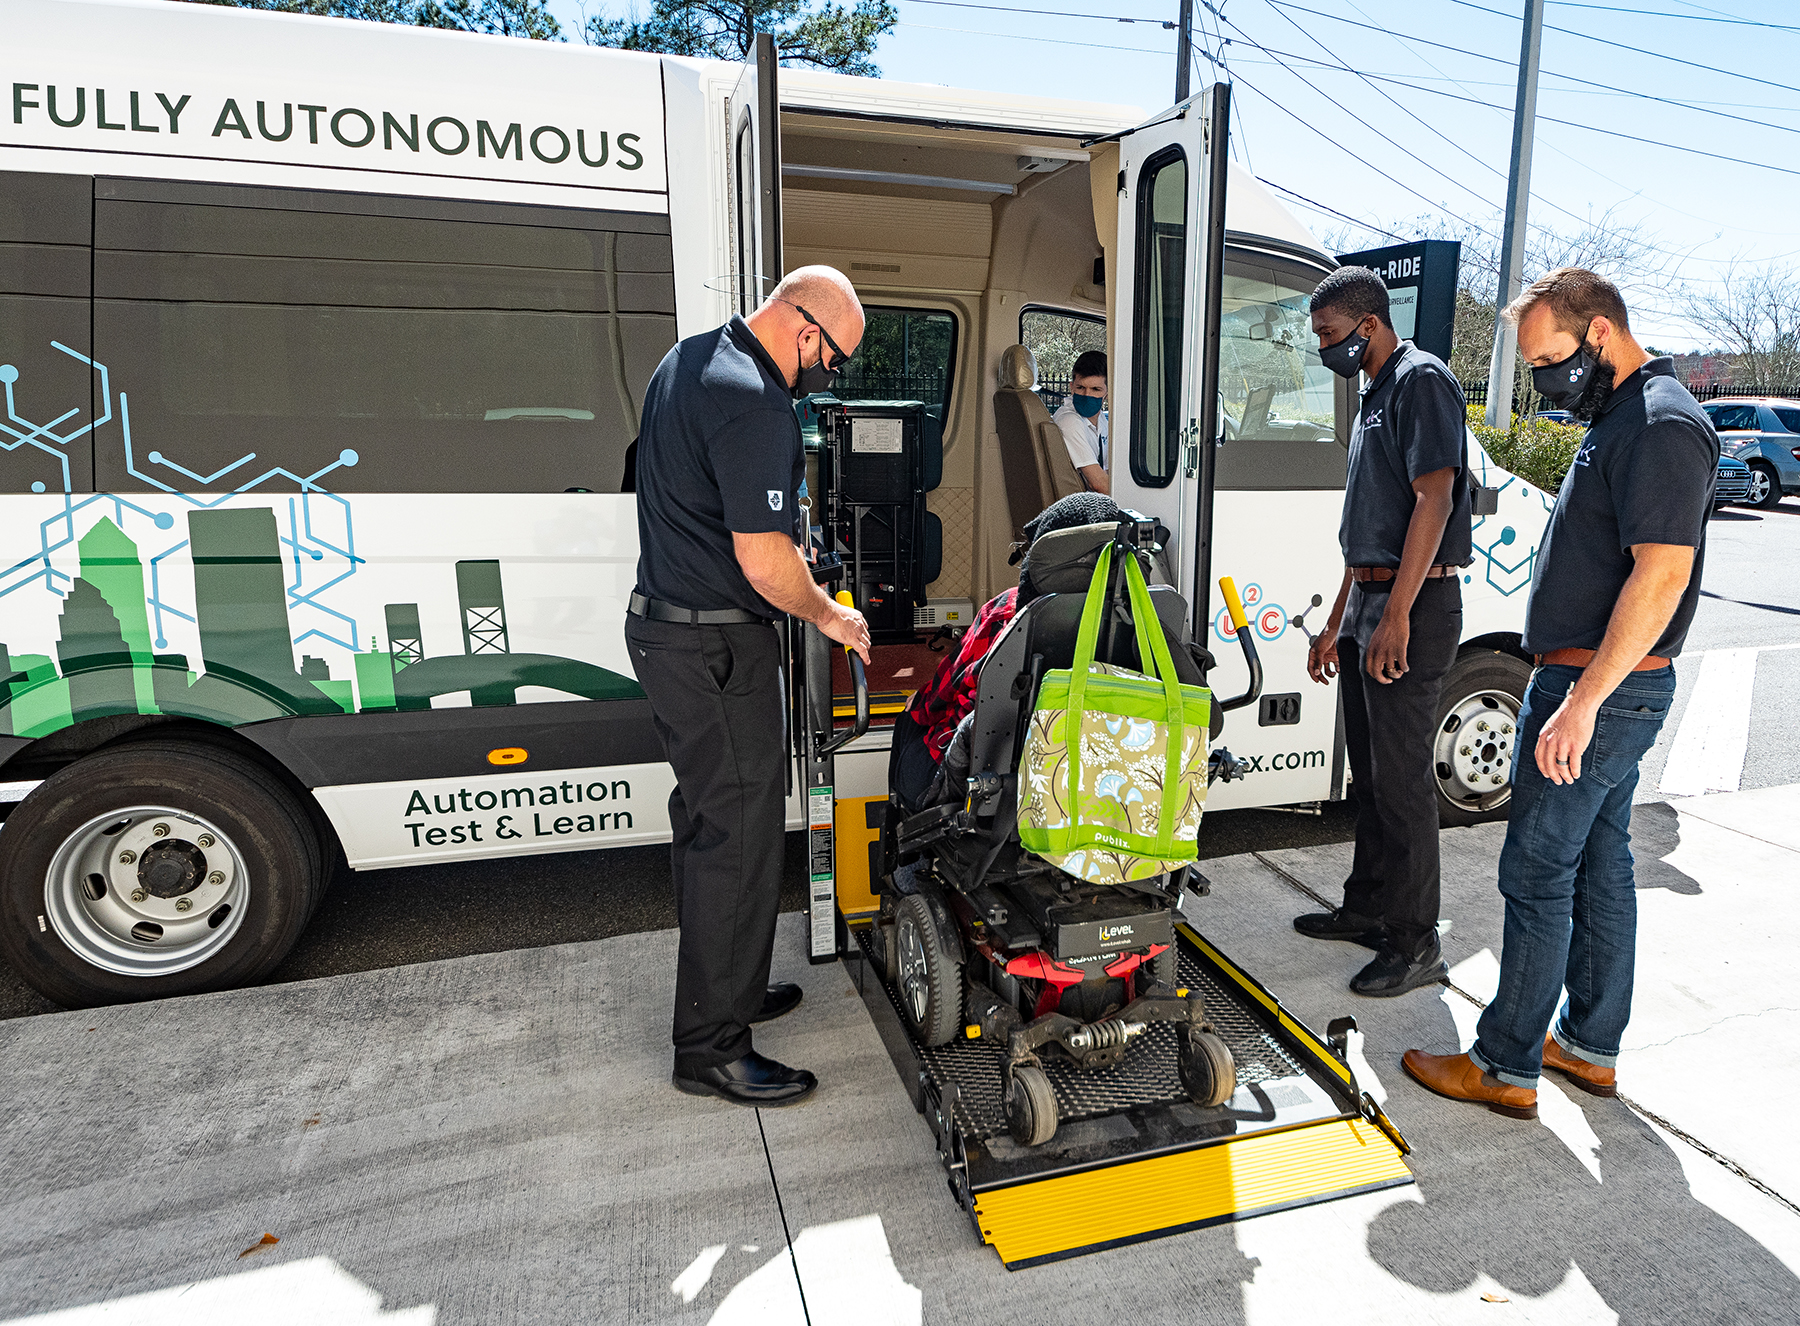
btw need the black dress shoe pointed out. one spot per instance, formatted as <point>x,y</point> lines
<point>753,1080</point>
<point>780,998</point>
<point>1340,924</point>
<point>1394,973</point>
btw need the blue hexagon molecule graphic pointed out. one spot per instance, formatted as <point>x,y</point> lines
<point>1504,558</point>
<point>314,524</point>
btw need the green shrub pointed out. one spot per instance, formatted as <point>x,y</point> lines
<point>1539,451</point>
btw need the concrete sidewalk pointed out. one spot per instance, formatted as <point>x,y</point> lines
<point>494,1140</point>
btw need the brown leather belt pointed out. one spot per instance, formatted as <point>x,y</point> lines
<point>1580,658</point>
<point>1362,575</point>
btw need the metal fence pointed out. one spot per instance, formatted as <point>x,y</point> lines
<point>928,387</point>
<point>1477,392</point>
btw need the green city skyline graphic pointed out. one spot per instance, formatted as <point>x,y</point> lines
<point>104,663</point>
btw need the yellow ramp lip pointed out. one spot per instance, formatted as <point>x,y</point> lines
<point>1043,1220</point>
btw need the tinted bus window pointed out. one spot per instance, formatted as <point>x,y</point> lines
<point>907,354</point>
<point>46,442</point>
<point>395,345</point>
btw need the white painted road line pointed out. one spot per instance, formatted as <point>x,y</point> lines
<point>1708,752</point>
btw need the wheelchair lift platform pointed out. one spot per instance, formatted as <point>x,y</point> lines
<point>1134,1159</point>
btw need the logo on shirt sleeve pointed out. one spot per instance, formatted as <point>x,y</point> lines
<point>774,499</point>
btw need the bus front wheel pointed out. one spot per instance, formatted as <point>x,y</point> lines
<point>156,868</point>
<point>1477,735</point>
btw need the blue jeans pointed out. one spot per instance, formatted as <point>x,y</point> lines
<point>1565,872</point>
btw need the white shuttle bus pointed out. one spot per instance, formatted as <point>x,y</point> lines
<point>322,345</point>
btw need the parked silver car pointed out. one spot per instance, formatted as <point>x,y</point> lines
<point>1764,433</point>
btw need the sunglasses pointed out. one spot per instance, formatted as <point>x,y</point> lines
<point>837,350</point>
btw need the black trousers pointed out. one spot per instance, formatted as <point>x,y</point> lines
<point>716,694</point>
<point>1388,732</point>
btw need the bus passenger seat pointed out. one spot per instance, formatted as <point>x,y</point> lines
<point>1033,457</point>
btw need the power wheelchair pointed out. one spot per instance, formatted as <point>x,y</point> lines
<point>981,938</point>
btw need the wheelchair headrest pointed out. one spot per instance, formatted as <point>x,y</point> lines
<point>1063,561</point>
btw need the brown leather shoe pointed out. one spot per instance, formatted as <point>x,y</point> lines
<point>1456,1076</point>
<point>1591,1078</point>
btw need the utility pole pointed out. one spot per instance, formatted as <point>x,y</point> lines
<point>1518,199</point>
<point>1184,51</point>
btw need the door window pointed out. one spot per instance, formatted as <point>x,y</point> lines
<point>1161,305</point>
<point>749,289</point>
<point>1737,417</point>
<point>1277,402</point>
<point>377,344</point>
<point>1056,340</point>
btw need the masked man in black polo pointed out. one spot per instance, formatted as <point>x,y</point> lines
<point>720,467</point>
<point>1395,626</point>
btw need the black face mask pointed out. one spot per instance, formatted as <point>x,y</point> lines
<point>1345,358</point>
<point>1580,384</point>
<point>816,378</point>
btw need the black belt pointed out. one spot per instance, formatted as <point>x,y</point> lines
<point>657,611</point>
<point>1364,575</point>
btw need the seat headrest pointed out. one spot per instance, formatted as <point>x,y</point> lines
<point>1018,369</point>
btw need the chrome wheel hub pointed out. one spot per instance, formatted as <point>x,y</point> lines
<point>146,891</point>
<point>1475,748</point>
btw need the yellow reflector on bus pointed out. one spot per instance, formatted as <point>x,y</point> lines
<point>507,755</point>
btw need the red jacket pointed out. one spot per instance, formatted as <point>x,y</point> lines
<point>949,696</point>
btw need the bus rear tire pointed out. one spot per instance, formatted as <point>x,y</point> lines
<point>1476,736</point>
<point>156,868</point>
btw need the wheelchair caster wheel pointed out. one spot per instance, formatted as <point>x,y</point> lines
<point>1030,1107</point>
<point>1208,1074</point>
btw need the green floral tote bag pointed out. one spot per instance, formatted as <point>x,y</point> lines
<point>1114,766</point>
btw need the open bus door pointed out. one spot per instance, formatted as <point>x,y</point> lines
<point>756,263</point>
<point>1171,254</point>
<point>1229,429</point>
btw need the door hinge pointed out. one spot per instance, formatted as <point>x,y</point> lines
<point>1190,448</point>
<point>1121,181</point>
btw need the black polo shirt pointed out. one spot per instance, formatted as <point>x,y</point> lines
<point>1644,473</point>
<point>719,452</point>
<point>1412,421</point>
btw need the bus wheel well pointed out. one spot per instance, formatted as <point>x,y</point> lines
<point>59,749</point>
<point>1501,642</point>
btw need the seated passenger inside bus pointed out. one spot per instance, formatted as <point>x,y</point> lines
<point>1083,422</point>
<point>925,736</point>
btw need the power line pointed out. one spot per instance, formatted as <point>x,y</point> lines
<point>1342,216</point>
<point>1054,41</point>
<point>1050,13</point>
<point>1239,78</point>
<point>1688,18</point>
<point>1635,50</point>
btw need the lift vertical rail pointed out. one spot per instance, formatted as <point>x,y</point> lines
<point>819,746</point>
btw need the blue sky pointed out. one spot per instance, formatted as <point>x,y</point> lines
<point>1296,109</point>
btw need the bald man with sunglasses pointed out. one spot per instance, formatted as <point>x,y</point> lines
<point>720,466</point>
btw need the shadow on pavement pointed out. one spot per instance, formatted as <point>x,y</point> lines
<point>1523,1210</point>
<point>1655,833</point>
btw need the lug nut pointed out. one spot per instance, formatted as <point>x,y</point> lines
<point>184,904</point>
<point>217,877</point>
<point>1465,751</point>
<point>160,831</point>
<point>205,840</point>
<point>1499,779</point>
<point>1479,727</point>
<point>1506,728</point>
<point>127,857</point>
<point>138,895</point>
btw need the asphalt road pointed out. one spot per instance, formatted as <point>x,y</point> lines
<point>388,918</point>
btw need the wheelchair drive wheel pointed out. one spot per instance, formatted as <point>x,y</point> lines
<point>928,974</point>
<point>1030,1107</point>
<point>1208,1074</point>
